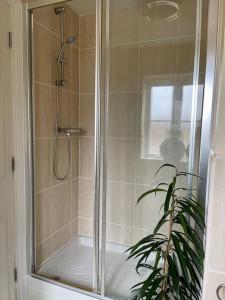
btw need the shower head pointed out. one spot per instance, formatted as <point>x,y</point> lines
<point>69,41</point>
<point>162,10</point>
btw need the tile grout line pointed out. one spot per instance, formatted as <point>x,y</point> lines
<point>137,110</point>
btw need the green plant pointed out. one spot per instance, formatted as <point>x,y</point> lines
<point>175,259</point>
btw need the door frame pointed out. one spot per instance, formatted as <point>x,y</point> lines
<point>20,144</point>
<point>21,128</point>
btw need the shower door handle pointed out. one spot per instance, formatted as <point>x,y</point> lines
<point>220,287</point>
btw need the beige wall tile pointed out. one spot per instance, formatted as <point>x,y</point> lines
<point>87,157</point>
<point>85,227</point>
<point>43,215</point>
<point>75,67</point>
<point>55,67</point>
<point>139,234</point>
<point>74,227</point>
<point>42,164</point>
<point>122,115</point>
<point>86,198</point>
<point>42,15</point>
<point>147,212</point>
<point>65,104</point>
<point>152,30</point>
<point>67,116</point>
<point>157,58</point>
<point>61,205</point>
<point>125,24</point>
<point>146,169</point>
<point>42,54</point>
<point>75,198</point>
<point>69,22</point>
<point>55,20</point>
<point>44,250</point>
<point>75,156</point>
<point>121,160</point>
<point>120,203</point>
<point>61,237</point>
<point>87,31</point>
<point>87,114</point>
<point>188,11</point>
<point>61,156</point>
<point>124,68</point>
<point>119,234</point>
<point>53,111</point>
<point>185,57</point>
<point>65,196</point>
<point>87,71</point>
<point>42,110</point>
<point>68,66</point>
<point>75,110</point>
<point>76,29</point>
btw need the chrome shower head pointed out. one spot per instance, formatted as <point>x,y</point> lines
<point>69,41</point>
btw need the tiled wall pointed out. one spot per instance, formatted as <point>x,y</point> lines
<point>87,122</point>
<point>140,49</point>
<point>56,201</point>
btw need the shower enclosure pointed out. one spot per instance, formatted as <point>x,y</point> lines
<point>117,90</point>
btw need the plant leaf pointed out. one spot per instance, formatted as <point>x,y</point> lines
<point>169,195</point>
<point>150,192</point>
<point>166,165</point>
<point>173,273</point>
<point>180,257</point>
<point>162,221</point>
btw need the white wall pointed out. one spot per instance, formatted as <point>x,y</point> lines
<point>215,239</point>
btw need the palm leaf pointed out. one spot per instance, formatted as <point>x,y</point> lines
<point>166,165</point>
<point>153,191</point>
<point>174,273</point>
<point>169,195</point>
<point>180,252</point>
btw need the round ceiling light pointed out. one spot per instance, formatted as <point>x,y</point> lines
<point>162,10</point>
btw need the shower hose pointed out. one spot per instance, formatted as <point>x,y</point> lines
<point>56,141</point>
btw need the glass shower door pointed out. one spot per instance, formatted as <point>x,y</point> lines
<point>155,61</point>
<point>63,112</point>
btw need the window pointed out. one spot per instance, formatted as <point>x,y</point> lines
<point>167,116</point>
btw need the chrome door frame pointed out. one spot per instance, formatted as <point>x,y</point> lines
<point>213,41</point>
<point>214,19</point>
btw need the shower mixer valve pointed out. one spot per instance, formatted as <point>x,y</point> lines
<point>68,131</point>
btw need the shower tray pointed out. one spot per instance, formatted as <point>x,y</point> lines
<point>73,264</point>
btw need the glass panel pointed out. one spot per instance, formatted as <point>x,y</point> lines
<point>64,138</point>
<point>154,117</point>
